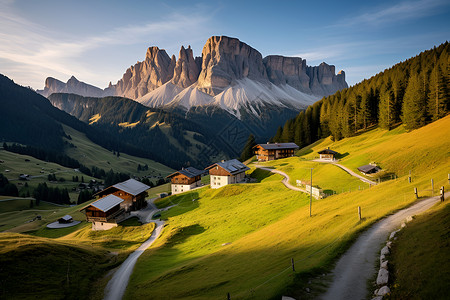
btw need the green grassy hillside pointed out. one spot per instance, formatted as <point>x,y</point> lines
<point>15,164</point>
<point>417,267</point>
<point>240,239</point>
<point>91,154</point>
<point>40,268</point>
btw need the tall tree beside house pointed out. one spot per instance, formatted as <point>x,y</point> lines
<point>277,137</point>
<point>7,188</point>
<point>414,103</point>
<point>439,94</point>
<point>387,112</point>
<point>247,152</point>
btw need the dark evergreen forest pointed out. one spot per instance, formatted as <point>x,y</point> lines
<point>414,92</point>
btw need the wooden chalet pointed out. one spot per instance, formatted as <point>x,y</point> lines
<point>328,154</point>
<point>105,212</point>
<point>226,172</point>
<point>369,169</point>
<point>272,151</point>
<point>185,179</point>
<point>133,193</point>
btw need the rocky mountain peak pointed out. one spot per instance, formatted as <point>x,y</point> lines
<point>143,77</point>
<point>226,59</point>
<point>186,69</point>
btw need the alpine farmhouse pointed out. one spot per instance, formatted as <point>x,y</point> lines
<point>226,172</point>
<point>185,179</point>
<point>133,193</point>
<point>272,151</point>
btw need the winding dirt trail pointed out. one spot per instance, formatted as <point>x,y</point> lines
<point>115,289</point>
<point>358,264</point>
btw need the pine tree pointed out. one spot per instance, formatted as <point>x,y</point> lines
<point>438,96</point>
<point>386,116</point>
<point>247,152</point>
<point>277,137</point>
<point>414,103</point>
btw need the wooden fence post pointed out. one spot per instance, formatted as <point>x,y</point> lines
<point>409,178</point>
<point>293,266</point>
<point>359,212</point>
<point>442,193</point>
<point>228,296</point>
<point>415,192</point>
<point>432,187</point>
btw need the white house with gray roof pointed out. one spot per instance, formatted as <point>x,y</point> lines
<point>226,172</point>
<point>185,179</point>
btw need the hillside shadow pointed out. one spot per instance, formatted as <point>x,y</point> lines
<point>260,174</point>
<point>181,234</point>
<point>342,155</point>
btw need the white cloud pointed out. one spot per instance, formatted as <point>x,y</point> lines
<point>31,45</point>
<point>407,10</point>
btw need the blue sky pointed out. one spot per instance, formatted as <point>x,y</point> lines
<point>98,40</point>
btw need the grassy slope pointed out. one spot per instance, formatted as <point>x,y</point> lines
<point>32,268</point>
<point>91,154</point>
<point>16,165</point>
<point>189,261</point>
<point>421,257</point>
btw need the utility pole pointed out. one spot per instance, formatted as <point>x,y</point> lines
<point>310,196</point>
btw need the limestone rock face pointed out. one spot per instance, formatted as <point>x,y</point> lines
<point>73,86</point>
<point>323,80</point>
<point>145,76</point>
<point>320,80</point>
<point>226,59</point>
<point>288,70</point>
<point>186,69</point>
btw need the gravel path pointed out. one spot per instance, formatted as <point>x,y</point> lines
<point>358,264</point>
<point>115,289</point>
<point>285,180</point>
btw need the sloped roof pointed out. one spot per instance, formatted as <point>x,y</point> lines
<point>368,169</point>
<point>132,186</point>
<point>328,151</point>
<point>66,218</point>
<point>106,203</point>
<point>278,146</point>
<point>189,172</point>
<point>232,166</point>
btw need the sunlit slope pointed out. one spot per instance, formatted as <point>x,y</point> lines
<point>194,261</point>
<point>91,154</point>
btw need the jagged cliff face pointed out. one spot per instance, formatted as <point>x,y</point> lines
<point>186,69</point>
<point>143,77</point>
<point>293,71</point>
<point>226,59</point>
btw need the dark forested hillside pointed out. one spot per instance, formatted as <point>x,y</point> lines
<point>415,93</point>
<point>30,119</point>
<point>168,136</point>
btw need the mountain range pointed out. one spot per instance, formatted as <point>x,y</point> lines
<point>229,75</point>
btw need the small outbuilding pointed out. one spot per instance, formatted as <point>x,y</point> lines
<point>66,219</point>
<point>272,151</point>
<point>369,169</point>
<point>226,172</point>
<point>328,154</point>
<point>185,179</point>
